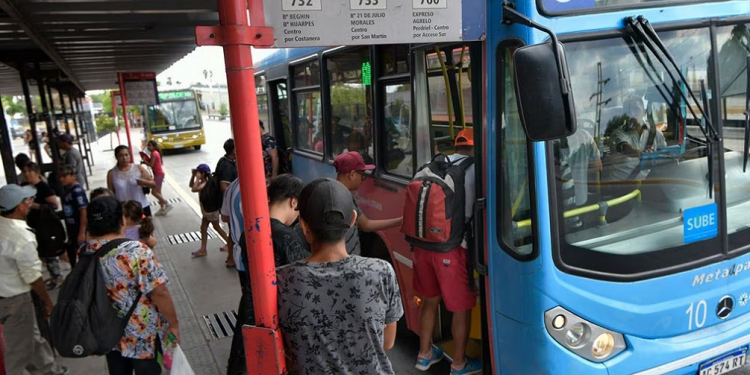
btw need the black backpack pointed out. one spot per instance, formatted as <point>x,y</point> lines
<point>49,231</point>
<point>211,196</point>
<point>84,322</point>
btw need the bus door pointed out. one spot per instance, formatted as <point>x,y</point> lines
<point>454,94</point>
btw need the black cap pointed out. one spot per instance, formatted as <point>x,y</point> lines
<point>326,204</point>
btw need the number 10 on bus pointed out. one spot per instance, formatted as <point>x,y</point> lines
<point>429,4</point>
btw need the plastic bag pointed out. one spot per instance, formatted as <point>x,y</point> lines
<point>180,364</point>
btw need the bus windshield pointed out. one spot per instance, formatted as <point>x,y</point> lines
<point>638,160</point>
<point>174,116</point>
<point>588,6</point>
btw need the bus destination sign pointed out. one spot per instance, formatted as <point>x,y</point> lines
<point>176,95</point>
<point>310,23</point>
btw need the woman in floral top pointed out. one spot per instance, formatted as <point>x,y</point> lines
<point>129,269</point>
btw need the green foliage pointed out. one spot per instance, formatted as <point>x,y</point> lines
<point>223,110</point>
<point>11,108</point>
<point>105,124</point>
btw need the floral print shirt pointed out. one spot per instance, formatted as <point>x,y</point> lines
<point>128,269</point>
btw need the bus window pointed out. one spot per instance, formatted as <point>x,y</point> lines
<point>350,76</point>
<point>394,59</point>
<point>309,126</point>
<point>262,95</point>
<point>733,65</point>
<point>306,94</point>
<point>515,203</point>
<point>307,74</point>
<point>397,129</point>
<point>625,214</point>
<point>450,95</point>
<point>396,105</point>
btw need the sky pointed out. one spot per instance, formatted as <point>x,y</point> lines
<point>190,68</point>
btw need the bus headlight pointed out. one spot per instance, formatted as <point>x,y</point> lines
<point>195,136</point>
<point>603,345</point>
<point>577,334</point>
<point>588,340</point>
<point>160,140</point>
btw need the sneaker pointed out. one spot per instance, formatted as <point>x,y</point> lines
<point>424,364</point>
<point>161,212</point>
<point>167,208</point>
<point>63,371</point>
<point>472,366</point>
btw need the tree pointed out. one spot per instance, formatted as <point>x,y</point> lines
<point>104,124</point>
<point>12,107</point>
<point>223,110</point>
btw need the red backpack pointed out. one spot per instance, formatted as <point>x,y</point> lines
<point>434,216</point>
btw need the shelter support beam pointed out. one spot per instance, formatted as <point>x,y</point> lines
<point>263,343</point>
<point>6,151</point>
<point>30,112</point>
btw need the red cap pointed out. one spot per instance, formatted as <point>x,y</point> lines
<point>351,161</point>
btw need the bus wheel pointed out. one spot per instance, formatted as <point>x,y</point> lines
<point>197,148</point>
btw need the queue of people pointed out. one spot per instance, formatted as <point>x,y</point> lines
<point>321,273</point>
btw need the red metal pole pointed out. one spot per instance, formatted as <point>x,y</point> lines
<point>123,96</point>
<point>264,339</point>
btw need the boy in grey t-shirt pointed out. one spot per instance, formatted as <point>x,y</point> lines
<point>338,313</point>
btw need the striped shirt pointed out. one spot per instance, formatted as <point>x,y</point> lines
<point>232,207</point>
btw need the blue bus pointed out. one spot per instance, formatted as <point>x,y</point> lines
<point>613,214</point>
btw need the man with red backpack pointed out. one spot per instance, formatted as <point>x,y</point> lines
<point>439,205</point>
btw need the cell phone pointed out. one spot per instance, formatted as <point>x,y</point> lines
<point>171,338</point>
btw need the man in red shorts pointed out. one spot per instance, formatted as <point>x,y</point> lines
<point>443,276</point>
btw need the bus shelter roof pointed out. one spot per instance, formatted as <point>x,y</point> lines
<point>84,43</point>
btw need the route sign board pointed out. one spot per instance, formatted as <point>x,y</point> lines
<point>140,88</point>
<point>309,23</point>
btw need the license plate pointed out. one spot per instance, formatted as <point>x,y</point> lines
<point>724,364</point>
<point>179,145</point>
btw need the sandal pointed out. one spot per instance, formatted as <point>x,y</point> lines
<point>199,253</point>
<point>230,265</point>
<point>223,248</point>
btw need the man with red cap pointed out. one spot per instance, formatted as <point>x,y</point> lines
<point>444,276</point>
<point>351,171</point>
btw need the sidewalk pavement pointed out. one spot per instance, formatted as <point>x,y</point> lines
<point>199,286</point>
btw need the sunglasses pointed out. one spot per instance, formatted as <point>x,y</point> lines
<point>363,174</point>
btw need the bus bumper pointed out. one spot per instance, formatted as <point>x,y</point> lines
<point>175,145</point>
<point>539,353</point>
<point>682,354</point>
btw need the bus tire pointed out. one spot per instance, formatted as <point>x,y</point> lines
<point>197,148</point>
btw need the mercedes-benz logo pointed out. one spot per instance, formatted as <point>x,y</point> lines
<point>725,307</point>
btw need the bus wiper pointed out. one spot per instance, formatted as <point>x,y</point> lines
<point>643,30</point>
<point>747,118</point>
<point>709,145</point>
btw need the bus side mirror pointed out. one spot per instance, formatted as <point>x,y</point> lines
<point>547,111</point>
